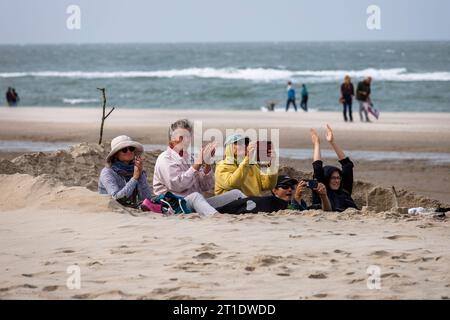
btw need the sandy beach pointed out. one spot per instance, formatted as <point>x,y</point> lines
<point>395,131</point>
<point>268,71</point>
<point>403,132</point>
<point>52,218</point>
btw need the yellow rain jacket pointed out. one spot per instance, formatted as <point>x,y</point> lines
<point>246,177</point>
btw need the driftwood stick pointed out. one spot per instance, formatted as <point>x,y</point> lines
<point>395,196</point>
<point>103,90</point>
<point>109,112</point>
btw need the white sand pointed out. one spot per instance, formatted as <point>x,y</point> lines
<point>389,121</point>
<point>271,256</point>
<point>415,132</point>
<point>45,226</point>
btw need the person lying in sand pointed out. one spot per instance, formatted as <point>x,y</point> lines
<point>287,194</point>
<point>175,173</point>
<point>338,182</point>
<point>243,175</point>
<point>123,176</point>
<point>292,191</point>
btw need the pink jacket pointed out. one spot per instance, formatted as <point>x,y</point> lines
<point>175,174</point>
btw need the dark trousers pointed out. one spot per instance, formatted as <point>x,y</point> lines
<point>288,103</point>
<point>304,103</point>
<point>348,105</point>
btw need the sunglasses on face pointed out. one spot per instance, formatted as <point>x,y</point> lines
<point>286,187</point>
<point>336,178</point>
<point>126,149</point>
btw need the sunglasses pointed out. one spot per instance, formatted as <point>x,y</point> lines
<point>126,149</point>
<point>286,187</point>
<point>336,178</point>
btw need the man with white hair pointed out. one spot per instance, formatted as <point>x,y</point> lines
<point>177,172</point>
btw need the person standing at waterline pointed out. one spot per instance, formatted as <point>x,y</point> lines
<point>123,176</point>
<point>305,96</point>
<point>177,172</point>
<point>12,98</point>
<point>290,97</point>
<point>347,94</point>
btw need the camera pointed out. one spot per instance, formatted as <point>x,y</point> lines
<point>263,151</point>
<point>312,184</point>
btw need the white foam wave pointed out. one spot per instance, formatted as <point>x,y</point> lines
<point>251,74</point>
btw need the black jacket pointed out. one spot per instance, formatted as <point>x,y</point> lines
<point>363,87</point>
<point>340,199</point>
<point>261,204</point>
<point>254,205</point>
<point>347,92</point>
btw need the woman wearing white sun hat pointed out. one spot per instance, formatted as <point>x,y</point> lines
<point>123,177</point>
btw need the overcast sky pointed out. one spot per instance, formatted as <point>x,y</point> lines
<point>44,21</point>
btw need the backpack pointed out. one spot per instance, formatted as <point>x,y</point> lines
<point>167,203</point>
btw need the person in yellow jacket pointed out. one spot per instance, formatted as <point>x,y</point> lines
<point>237,172</point>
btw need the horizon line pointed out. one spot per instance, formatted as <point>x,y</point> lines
<point>224,42</point>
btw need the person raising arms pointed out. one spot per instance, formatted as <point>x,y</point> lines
<point>339,182</point>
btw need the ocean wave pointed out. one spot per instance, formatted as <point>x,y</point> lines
<point>79,101</point>
<point>251,74</point>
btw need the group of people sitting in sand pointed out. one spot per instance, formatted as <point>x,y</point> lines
<point>239,183</point>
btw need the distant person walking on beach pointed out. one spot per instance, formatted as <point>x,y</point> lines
<point>12,97</point>
<point>123,176</point>
<point>363,96</point>
<point>305,95</point>
<point>16,97</point>
<point>290,97</point>
<point>347,93</point>
<point>178,173</point>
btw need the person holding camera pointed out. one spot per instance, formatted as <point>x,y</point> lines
<point>292,191</point>
<point>287,194</point>
<point>239,170</point>
<point>123,176</point>
<point>338,182</point>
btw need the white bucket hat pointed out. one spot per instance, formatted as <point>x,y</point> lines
<point>120,142</point>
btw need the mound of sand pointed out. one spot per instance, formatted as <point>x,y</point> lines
<point>7,167</point>
<point>376,198</point>
<point>20,191</point>
<point>81,166</point>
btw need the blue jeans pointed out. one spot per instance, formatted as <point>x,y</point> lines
<point>304,103</point>
<point>363,110</point>
<point>348,105</point>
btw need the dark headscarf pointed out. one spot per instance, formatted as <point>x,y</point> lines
<point>340,199</point>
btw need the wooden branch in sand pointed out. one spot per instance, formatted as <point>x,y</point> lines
<point>104,117</point>
<point>395,196</point>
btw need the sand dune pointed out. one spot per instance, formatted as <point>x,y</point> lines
<point>81,165</point>
<point>286,255</point>
<point>22,191</point>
